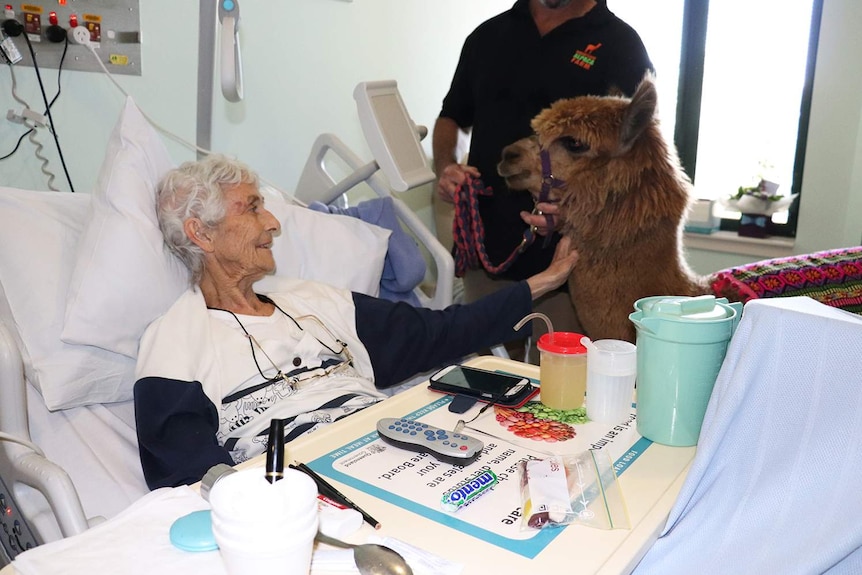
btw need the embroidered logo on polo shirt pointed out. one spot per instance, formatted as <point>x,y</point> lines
<point>585,58</point>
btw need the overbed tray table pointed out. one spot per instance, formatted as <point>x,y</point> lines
<point>650,483</point>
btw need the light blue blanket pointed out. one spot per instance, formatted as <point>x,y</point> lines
<point>404,267</point>
<point>775,484</point>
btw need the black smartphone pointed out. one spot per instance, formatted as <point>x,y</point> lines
<point>482,384</point>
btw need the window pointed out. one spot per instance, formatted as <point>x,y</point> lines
<point>739,75</point>
<point>661,32</point>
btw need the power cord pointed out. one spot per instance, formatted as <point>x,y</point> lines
<point>53,129</point>
<point>83,38</point>
<point>24,103</point>
<point>31,120</point>
<point>33,117</point>
<point>17,145</point>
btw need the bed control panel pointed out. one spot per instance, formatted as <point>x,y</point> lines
<point>15,534</point>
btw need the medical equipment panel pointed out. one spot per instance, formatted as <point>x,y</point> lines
<point>114,31</point>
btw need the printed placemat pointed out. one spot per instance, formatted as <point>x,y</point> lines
<point>417,481</point>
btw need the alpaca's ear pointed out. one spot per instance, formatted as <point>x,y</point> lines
<point>639,113</point>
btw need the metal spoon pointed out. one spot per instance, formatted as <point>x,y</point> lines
<point>371,559</point>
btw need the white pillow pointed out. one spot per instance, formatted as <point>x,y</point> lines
<point>341,251</point>
<point>39,232</point>
<point>124,277</point>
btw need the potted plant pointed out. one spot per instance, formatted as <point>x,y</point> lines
<point>756,205</point>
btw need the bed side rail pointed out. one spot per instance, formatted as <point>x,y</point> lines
<point>20,462</point>
<point>317,184</point>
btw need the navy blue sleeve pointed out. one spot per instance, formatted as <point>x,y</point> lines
<point>403,340</point>
<point>176,425</point>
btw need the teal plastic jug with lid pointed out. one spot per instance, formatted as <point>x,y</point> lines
<point>681,344</point>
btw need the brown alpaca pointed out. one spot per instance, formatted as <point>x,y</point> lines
<point>622,201</point>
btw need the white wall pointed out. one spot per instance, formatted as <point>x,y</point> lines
<point>303,58</point>
<point>834,153</point>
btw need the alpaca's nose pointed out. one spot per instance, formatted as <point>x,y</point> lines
<point>511,153</point>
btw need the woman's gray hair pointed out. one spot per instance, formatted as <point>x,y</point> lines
<point>196,190</point>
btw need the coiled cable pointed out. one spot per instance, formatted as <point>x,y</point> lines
<point>31,134</point>
<point>48,109</point>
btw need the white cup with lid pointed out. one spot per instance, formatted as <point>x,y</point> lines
<point>263,527</point>
<point>611,374</point>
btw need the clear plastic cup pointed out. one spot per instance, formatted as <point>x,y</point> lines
<point>611,375</point>
<point>562,369</point>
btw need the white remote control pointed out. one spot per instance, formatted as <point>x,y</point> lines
<point>447,446</point>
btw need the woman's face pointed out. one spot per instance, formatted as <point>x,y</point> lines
<point>242,241</point>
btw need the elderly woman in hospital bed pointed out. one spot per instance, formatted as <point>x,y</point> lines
<point>223,361</point>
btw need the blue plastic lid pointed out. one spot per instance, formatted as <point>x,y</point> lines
<point>698,308</point>
<point>194,532</point>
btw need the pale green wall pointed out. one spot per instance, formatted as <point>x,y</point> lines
<point>304,57</point>
<point>302,60</point>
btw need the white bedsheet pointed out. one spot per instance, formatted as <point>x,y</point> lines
<point>137,540</point>
<point>97,447</point>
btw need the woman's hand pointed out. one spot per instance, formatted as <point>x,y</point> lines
<point>557,272</point>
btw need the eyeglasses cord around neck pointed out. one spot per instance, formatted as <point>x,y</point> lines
<point>252,341</point>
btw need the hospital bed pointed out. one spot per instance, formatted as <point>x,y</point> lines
<point>68,449</point>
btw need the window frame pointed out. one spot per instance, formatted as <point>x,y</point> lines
<point>690,93</point>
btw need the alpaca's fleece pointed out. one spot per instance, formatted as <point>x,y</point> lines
<point>623,204</point>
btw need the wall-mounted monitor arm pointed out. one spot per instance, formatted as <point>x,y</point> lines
<point>391,134</point>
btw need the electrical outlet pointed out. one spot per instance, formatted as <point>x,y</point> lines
<point>55,34</point>
<point>113,29</point>
<point>81,35</point>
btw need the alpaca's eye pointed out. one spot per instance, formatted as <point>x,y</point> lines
<point>573,145</point>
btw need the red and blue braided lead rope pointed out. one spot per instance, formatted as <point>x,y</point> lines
<point>468,232</point>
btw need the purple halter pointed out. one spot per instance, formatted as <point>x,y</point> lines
<point>549,181</point>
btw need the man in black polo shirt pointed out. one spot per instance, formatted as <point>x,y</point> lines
<point>511,67</point>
